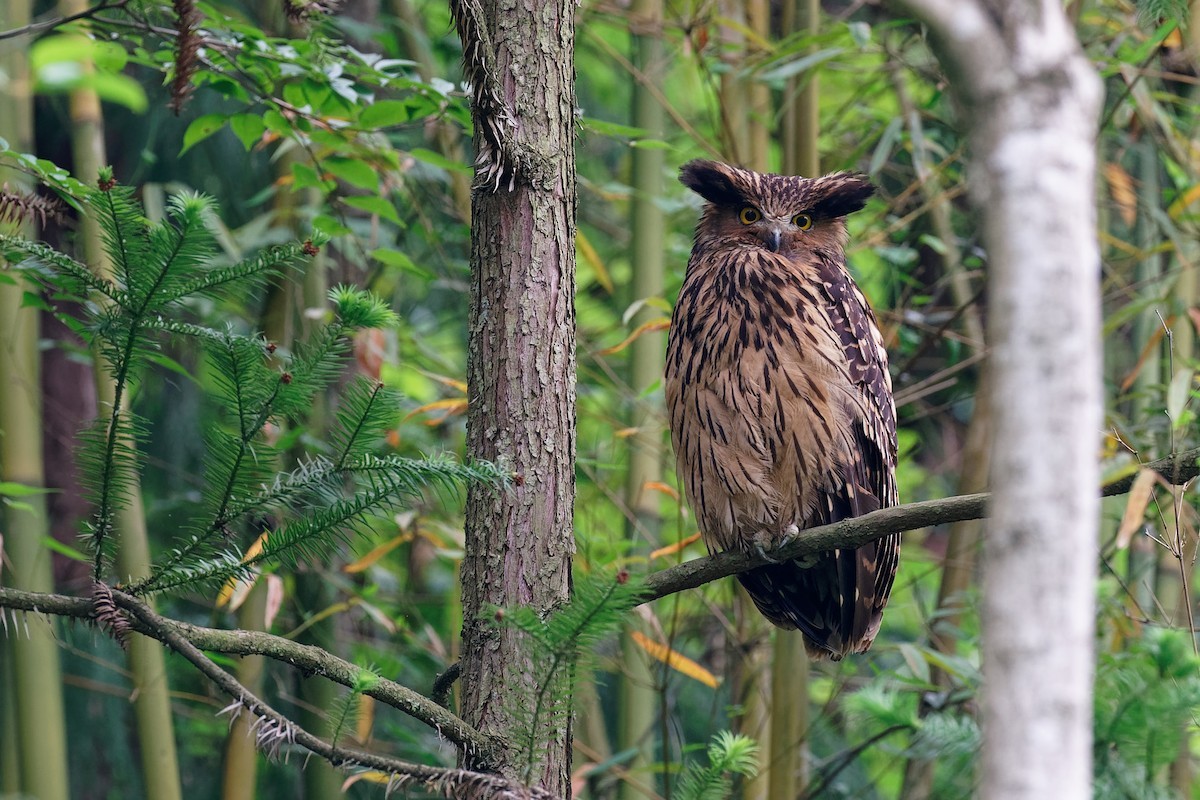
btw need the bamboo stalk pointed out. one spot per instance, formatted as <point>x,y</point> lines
<point>34,695</point>
<point>637,694</point>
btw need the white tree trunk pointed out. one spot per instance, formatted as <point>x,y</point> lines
<point>1031,101</point>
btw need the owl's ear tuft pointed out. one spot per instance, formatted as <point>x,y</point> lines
<point>840,194</point>
<point>713,181</point>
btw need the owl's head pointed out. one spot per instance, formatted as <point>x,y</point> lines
<point>778,212</point>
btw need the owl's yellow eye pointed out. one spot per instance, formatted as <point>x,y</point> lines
<point>749,215</point>
<point>802,221</point>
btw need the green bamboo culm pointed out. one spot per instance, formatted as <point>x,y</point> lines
<point>34,758</point>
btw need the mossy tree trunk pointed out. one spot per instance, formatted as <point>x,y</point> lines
<point>521,359</point>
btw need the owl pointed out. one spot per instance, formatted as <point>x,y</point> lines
<point>779,396</point>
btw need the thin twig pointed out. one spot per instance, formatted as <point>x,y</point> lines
<point>50,24</point>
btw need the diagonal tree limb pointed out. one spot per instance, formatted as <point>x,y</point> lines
<point>238,642</point>
<point>1175,469</point>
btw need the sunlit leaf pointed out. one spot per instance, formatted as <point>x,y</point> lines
<point>675,548</point>
<point>200,129</point>
<point>675,660</point>
<point>376,553</point>
<point>660,324</point>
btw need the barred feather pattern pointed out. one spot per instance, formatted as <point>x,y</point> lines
<point>779,396</point>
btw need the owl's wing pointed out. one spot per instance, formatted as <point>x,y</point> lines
<point>834,394</point>
<point>870,473</point>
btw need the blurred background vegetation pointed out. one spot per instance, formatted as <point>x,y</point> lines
<point>356,123</point>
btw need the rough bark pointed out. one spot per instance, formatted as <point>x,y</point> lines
<point>521,357</point>
<point>1031,101</point>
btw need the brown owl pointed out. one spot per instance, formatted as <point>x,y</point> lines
<point>779,396</point>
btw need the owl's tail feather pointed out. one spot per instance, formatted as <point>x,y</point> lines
<point>836,601</point>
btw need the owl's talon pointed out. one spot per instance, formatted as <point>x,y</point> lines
<point>762,552</point>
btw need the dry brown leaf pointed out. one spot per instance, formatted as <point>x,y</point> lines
<point>366,719</point>
<point>660,324</point>
<point>675,548</point>
<point>1135,507</point>
<point>376,553</point>
<point>1120,186</point>
<point>1183,201</point>
<point>593,260</point>
<point>676,661</point>
<point>659,486</point>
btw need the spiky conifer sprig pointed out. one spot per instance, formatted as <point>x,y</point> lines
<point>57,272</point>
<point>346,709</point>
<point>386,483</point>
<point>365,412</point>
<point>561,641</point>
<point>729,754</point>
<point>154,264</point>
<point>155,267</point>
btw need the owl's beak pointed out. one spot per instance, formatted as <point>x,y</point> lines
<point>774,239</point>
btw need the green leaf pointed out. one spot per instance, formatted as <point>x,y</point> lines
<point>276,122</point>
<point>605,128</point>
<point>384,114</point>
<point>353,171</point>
<point>305,177</point>
<point>200,129</point>
<point>328,226</point>
<point>791,68</point>
<point>438,160</point>
<point>374,205</point>
<point>72,62</point>
<point>11,489</point>
<point>50,543</point>
<point>395,258</point>
<point>249,128</point>
<point>34,300</point>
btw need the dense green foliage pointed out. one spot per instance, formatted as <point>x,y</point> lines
<point>354,129</point>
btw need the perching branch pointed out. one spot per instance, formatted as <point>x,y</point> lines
<point>311,659</point>
<point>50,24</point>
<point>1176,469</point>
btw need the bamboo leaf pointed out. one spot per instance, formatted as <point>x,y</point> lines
<point>660,324</point>
<point>1135,506</point>
<point>675,660</point>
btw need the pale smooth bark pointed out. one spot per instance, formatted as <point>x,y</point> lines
<point>1031,101</point>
